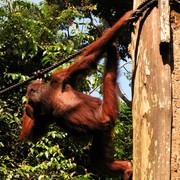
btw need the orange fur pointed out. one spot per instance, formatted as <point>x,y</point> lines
<point>76,112</point>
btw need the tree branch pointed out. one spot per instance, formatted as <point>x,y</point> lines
<point>122,96</point>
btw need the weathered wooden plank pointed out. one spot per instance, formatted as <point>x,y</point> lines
<point>152,107</point>
<point>164,14</point>
<point>175,155</point>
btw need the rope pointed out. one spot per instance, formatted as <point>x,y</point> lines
<point>137,13</point>
<point>39,73</point>
<point>142,7</point>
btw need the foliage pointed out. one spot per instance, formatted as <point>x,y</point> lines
<point>33,37</point>
<point>123,133</point>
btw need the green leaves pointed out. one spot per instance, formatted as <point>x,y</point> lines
<point>124,133</point>
<point>68,15</point>
<point>33,37</point>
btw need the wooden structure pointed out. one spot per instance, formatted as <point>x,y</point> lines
<point>175,148</point>
<point>156,96</point>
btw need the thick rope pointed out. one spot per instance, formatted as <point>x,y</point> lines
<point>137,13</point>
<point>40,73</point>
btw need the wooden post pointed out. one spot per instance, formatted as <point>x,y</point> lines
<point>164,14</point>
<point>175,151</point>
<point>152,107</point>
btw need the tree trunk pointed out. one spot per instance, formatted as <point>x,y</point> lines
<point>152,97</point>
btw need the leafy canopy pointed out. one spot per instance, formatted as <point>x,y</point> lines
<point>33,37</point>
